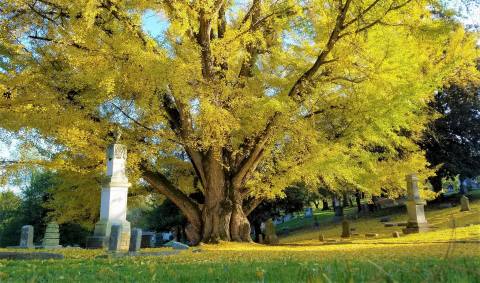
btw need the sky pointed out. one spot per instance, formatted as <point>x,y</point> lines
<point>156,25</point>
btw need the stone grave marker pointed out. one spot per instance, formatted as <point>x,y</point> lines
<point>148,239</point>
<point>115,238</point>
<point>135,240</point>
<point>51,240</point>
<point>270,233</point>
<point>415,207</point>
<point>309,212</point>
<point>260,238</point>
<point>465,204</point>
<point>371,235</point>
<point>396,234</point>
<point>26,237</point>
<point>321,238</point>
<point>346,229</point>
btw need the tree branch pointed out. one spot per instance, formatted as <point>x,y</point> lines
<point>301,83</point>
<point>249,163</point>
<point>189,208</point>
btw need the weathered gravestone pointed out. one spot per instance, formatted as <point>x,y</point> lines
<point>346,229</point>
<point>113,207</point>
<point>321,238</point>
<point>270,233</point>
<point>135,240</point>
<point>260,238</point>
<point>337,209</point>
<point>26,237</point>
<point>51,240</point>
<point>415,207</point>
<point>464,203</point>
<point>396,234</point>
<point>309,212</point>
<point>115,239</point>
<point>148,239</point>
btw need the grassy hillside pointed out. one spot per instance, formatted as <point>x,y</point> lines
<point>446,254</point>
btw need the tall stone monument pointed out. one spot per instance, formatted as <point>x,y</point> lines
<point>415,208</point>
<point>113,207</point>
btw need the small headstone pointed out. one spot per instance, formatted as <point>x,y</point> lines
<point>345,229</point>
<point>26,237</point>
<point>321,238</point>
<point>371,235</point>
<point>260,239</point>
<point>465,204</point>
<point>176,245</point>
<point>51,240</point>
<point>396,234</point>
<point>115,238</point>
<point>270,233</point>
<point>148,240</point>
<point>309,212</point>
<point>385,219</point>
<point>135,240</point>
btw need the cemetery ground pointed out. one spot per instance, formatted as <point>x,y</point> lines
<point>449,253</point>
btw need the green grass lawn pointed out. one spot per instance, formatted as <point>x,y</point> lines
<point>447,254</point>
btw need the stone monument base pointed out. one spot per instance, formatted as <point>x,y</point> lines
<point>101,236</point>
<point>416,228</point>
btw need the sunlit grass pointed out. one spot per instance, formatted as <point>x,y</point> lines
<point>448,253</point>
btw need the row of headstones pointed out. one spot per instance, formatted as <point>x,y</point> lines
<point>51,240</point>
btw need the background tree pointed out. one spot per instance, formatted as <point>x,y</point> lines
<point>244,99</point>
<point>452,141</point>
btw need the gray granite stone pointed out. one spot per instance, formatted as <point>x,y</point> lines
<point>271,237</point>
<point>465,204</point>
<point>346,232</point>
<point>135,240</point>
<point>115,238</point>
<point>26,237</point>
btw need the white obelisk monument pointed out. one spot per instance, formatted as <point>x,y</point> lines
<point>415,208</point>
<point>113,206</point>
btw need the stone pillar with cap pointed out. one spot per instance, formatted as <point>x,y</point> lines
<point>415,208</point>
<point>113,206</point>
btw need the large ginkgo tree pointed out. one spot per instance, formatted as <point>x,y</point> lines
<point>235,100</point>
